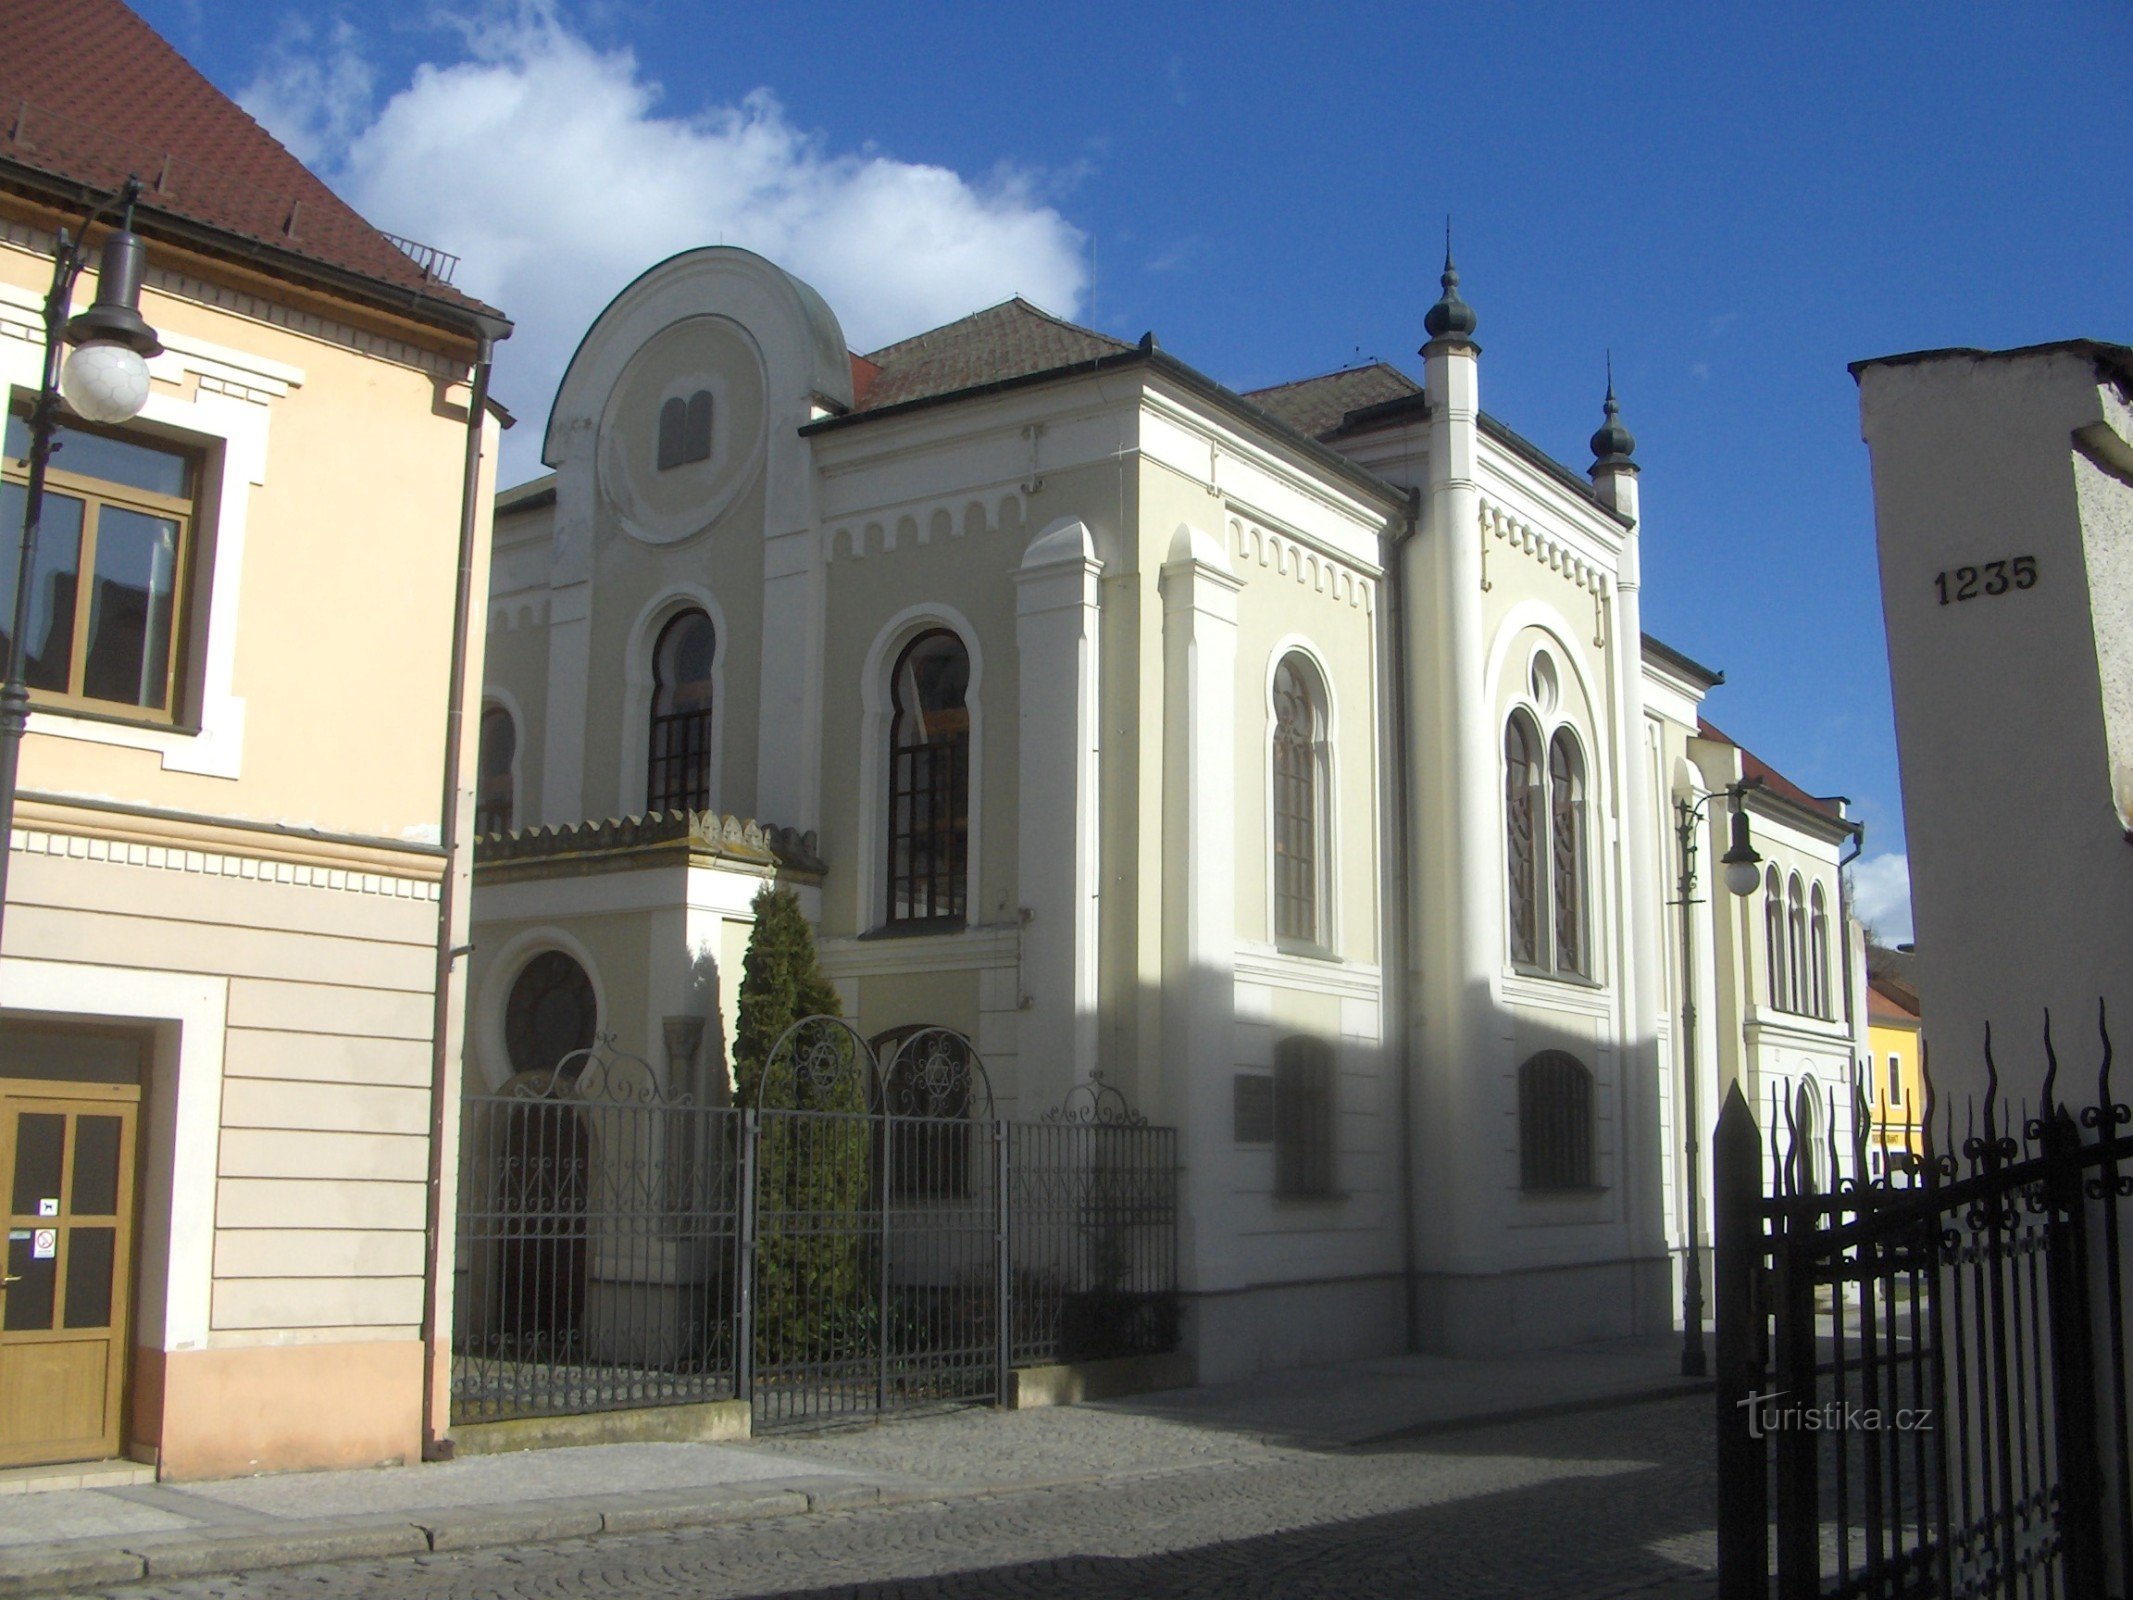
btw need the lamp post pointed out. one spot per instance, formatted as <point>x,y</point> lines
<point>1740,862</point>
<point>104,380</point>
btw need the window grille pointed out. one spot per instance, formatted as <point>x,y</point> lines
<point>929,780</point>
<point>1554,1122</point>
<point>1296,804</point>
<point>1303,1118</point>
<point>678,770</point>
<point>493,790</point>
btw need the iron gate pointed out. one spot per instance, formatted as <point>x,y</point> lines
<point>1922,1383</point>
<point>867,1237</point>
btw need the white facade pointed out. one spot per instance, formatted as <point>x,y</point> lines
<point>1239,676</point>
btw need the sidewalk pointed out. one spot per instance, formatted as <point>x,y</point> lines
<point>68,1539</point>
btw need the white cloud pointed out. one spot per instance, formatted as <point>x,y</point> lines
<point>546,165</point>
<point>1881,893</point>
<point>314,93</point>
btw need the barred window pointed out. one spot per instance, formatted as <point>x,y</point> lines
<point>1299,799</point>
<point>929,780</point>
<point>1521,785</point>
<point>494,785</point>
<point>1303,1118</point>
<point>1566,830</point>
<point>1554,1122</point>
<point>685,430</point>
<point>678,775</point>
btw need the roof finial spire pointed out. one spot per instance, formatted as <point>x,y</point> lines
<point>1451,317</point>
<point>1614,444</point>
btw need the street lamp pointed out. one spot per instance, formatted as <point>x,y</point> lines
<point>105,380</point>
<point>1741,876</point>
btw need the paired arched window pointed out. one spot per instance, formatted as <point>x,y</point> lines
<point>929,780</point>
<point>678,767</point>
<point>1554,1122</point>
<point>1796,945</point>
<point>494,785</point>
<point>685,430</point>
<point>550,1013</point>
<point>1544,828</point>
<point>1301,801</point>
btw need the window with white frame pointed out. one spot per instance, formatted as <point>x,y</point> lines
<point>1818,952</point>
<point>1795,945</point>
<point>1301,803</point>
<point>1774,937</point>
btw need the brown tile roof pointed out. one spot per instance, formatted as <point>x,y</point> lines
<point>89,94</point>
<point>1013,339</point>
<point>1316,406</point>
<point>1885,1003</point>
<point>1754,766</point>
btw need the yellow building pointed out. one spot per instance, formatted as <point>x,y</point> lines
<point>226,1070</point>
<point>1893,1084</point>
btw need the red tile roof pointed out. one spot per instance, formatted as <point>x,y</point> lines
<point>1315,406</point>
<point>1754,766</point>
<point>1013,339</point>
<point>90,94</point>
<point>1885,1004</point>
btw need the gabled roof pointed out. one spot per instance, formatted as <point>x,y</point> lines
<point>1774,781</point>
<point>1013,339</point>
<point>93,95</point>
<point>1317,406</point>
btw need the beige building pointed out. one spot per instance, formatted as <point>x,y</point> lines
<point>226,1070</point>
<point>1295,760</point>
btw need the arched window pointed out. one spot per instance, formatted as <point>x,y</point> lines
<point>493,783</point>
<point>551,1012</point>
<point>1796,945</point>
<point>1554,1122</point>
<point>1300,800</point>
<point>1522,830</point>
<point>678,773</point>
<point>1818,952</point>
<point>1303,1118</point>
<point>685,430</point>
<point>1774,937</point>
<point>929,780</point>
<point>1566,834</point>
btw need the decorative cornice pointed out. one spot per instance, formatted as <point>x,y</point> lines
<point>955,517</point>
<point>216,864</point>
<point>1308,564</point>
<point>690,835</point>
<point>1550,552</point>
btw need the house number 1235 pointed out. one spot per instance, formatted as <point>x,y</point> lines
<point>1994,577</point>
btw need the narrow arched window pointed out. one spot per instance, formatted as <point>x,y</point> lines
<point>1521,789</point>
<point>1299,800</point>
<point>1818,952</point>
<point>1554,1122</point>
<point>1774,937</point>
<point>494,785</point>
<point>1566,840</point>
<point>1796,945</point>
<point>678,768</point>
<point>685,430</point>
<point>929,780</point>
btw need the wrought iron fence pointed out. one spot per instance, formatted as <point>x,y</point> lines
<point>1922,1377</point>
<point>868,1236</point>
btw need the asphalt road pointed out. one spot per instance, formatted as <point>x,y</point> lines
<point>1596,1503</point>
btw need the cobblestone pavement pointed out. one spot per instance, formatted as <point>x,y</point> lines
<point>1599,1503</point>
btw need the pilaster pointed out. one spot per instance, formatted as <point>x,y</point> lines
<point>1057,617</point>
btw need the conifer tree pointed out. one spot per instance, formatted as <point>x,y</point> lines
<point>781,982</point>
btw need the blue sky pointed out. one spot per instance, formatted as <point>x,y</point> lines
<point>1737,201</point>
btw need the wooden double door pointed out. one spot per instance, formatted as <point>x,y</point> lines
<point>66,1181</point>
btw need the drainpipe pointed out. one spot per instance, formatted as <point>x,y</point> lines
<point>1400,990</point>
<point>436,1420</point>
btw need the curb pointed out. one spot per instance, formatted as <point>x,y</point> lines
<point>1677,1389</point>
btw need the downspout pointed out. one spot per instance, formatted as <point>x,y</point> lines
<point>436,1446</point>
<point>1402,987</point>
